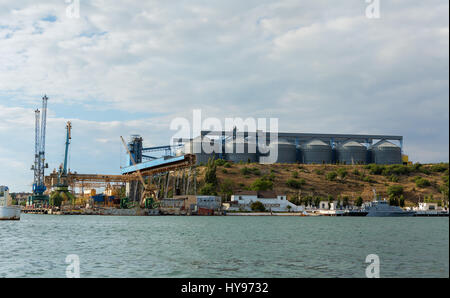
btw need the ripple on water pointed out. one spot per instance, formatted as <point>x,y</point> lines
<point>223,246</point>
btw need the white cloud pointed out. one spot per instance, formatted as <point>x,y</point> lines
<point>319,66</point>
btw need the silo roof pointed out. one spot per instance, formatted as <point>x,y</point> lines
<point>352,144</point>
<point>317,143</point>
<point>385,144</point>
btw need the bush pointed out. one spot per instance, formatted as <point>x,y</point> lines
<point>375,169</point>
<point>395,190</point>
<point>245,171</point>
<point>342,173</point>
<point>248,171</point>
<point>258,206</point>
<point>208,189</point>
<point>441,167</point>
<point>319,172</point>
<point>367,179</point>
<point>396,170</point>
<point>227,164</point>
<point>356,172</point>
<point>331,176</point>
<point>295,174</point>
<point>256,171</point>
<point>394,178</point>
<point>270,177</point>
<point>422,182</point>
<point>262,184</point>
<point>219,162</point>
<point>295,183</point>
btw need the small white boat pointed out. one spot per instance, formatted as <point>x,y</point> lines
<point>7,211</point>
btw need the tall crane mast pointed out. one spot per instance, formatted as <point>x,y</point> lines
<point>39,157</point>
<point>66,152</point>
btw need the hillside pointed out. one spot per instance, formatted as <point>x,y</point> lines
<point>417,181</point>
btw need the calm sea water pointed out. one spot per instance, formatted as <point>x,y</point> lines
<point>37,246</point>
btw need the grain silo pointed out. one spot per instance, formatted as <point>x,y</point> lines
<point>238,150</point>
<point>299,154</point>
<point>386,153</point>
<point>351,153</point>
<point>316,151</point>
<point>287,152</point>
<point>197,147</point>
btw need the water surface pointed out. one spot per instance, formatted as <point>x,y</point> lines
<point>37,246</point>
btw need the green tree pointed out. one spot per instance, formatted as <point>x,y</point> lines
<point>262,184</point>
<point>330,199</point>
<point>359,201</point>
<point>393,200</point>
<point>257,206</point>
<point>345,200</point>
<point>208,189</point>
<point>395,190</point>
<point>317,201</point>
<point>226,189</point>
<point>210,173</point>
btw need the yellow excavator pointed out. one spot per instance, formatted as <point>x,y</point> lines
<point>148,198</point>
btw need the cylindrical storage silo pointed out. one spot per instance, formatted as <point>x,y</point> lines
<point>241,150</point>
<point>283,151</point>
<point>299,154</point>
<point>316,151</point>
<point>351,153</point>
<point>386,153</point>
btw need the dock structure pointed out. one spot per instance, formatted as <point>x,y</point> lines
<point>175,174</point>
<point>157,172</point>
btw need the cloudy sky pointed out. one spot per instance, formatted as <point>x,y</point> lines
<point>130,67</point>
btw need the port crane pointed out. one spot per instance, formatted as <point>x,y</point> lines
<point>149,191</point>
<point>62,174</point>
<point>40,165</point>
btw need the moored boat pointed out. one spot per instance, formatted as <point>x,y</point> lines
<point>7,211</point>
<point>382,208</point>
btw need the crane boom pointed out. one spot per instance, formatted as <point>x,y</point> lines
<point>39,148</point>
<point>35,167</point>
<point>66,153</point>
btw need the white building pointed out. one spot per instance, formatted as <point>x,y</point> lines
<point>427,206</point>
<point>209,202</point>
<point>270,200</point>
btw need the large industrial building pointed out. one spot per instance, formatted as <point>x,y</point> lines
<point>306,148</point>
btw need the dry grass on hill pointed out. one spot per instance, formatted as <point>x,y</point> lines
<point>358,181</point>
